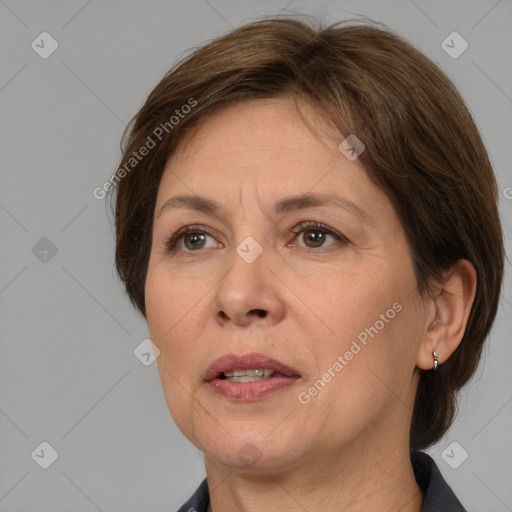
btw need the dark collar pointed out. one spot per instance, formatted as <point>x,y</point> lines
<point>438,496</point>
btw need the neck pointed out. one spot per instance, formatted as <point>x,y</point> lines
<point>353,479</point>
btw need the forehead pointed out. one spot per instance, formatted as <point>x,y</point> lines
<point>262,130</point>
<point>265,146</point>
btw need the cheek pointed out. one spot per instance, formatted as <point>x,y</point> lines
<point>170,300</point>
<point>372,323</point>
<point>351,304</point>
<point>174,323</point>
<point>184,409</point>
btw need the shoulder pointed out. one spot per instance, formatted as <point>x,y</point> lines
<point>438,496</point>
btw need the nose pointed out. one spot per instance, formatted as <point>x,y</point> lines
<point>248,293</point>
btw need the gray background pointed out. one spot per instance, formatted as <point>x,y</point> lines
<point>68,375</point>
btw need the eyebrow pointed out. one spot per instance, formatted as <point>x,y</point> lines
<point>285,205</point>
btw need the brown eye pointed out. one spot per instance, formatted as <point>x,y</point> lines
<point>314,237</point>
<point>190,239</point>
<point>193,241</point>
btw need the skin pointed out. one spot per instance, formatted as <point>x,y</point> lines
<point>348,447</point>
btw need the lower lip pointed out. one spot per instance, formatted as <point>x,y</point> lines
<point>251,391</point>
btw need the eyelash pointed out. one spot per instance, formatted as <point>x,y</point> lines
<point>318,226</point>
<point>170,245</point>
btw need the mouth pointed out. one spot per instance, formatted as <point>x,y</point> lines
<point>249,377</point>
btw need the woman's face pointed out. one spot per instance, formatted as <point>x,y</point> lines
<point>334,303</point>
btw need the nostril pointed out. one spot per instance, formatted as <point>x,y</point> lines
<point>256,312</point>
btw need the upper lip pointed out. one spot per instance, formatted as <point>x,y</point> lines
<point>253,361</point>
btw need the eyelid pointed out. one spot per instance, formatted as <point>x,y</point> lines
<point>313,224</point>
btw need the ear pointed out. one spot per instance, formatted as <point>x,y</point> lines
<point>448,315</point>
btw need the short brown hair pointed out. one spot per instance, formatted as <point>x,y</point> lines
<point>423,150</point>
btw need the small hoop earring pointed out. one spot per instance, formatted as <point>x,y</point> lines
<point>436,362</point>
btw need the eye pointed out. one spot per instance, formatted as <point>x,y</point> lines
<point>189,239</point>
<point>315,235</point>
<point>194,238</point>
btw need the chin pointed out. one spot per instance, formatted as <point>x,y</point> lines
<point>247,445</point>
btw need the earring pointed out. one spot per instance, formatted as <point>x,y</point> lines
<point>436,362</point>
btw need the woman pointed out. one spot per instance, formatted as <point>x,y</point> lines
<point>307,218</point>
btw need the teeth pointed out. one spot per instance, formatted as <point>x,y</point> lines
<point>249,373</point>
<point>245,378</point>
